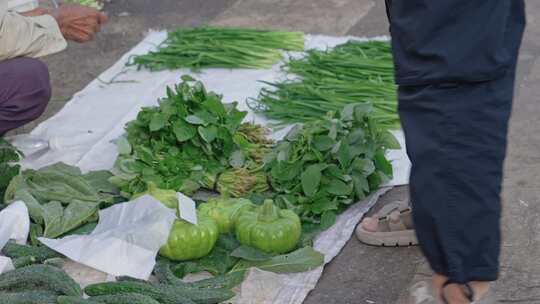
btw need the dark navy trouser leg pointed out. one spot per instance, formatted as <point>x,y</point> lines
<point>456,140</point>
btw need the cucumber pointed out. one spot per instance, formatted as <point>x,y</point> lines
<point>42,276</point>
<point>165,275</point>
<point>29,297</point>
<point>24,261</point>
<point>125,298</point>
<point>75,300</point>
<point>166,294</point>
<point>129,279</point>
<point>147,289</point>
<point>15,251</point>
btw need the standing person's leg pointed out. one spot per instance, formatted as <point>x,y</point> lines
<point>456,139</point>
<point>25,90</point>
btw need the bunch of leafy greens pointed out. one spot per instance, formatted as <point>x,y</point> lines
<point>184,143</point>
<point>8,167</point>
<point>322,167</point>
<point>60,198</point>
<point>327,80</point>
<point>224,47</point>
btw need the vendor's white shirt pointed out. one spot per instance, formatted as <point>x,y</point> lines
<point>28,36</point>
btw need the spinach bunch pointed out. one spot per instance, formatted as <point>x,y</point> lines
<point>189,136</point>
<point>323,166</point>
<point>9,156</point>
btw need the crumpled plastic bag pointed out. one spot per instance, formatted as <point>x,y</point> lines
<point>14,224</point>
<point>5,264</point>
<point>125,241</point>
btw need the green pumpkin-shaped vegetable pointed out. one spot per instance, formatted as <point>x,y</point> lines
<point>225,211</point>
<point>187,241</point>
<point>166,197</point>
<point>269,228</point>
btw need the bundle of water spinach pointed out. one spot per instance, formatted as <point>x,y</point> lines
<point>322,167</point>
<point>327,80</point>
<point>224,47</point>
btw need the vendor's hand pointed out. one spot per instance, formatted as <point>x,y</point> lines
<point>78,23</point>
<point>35,12</point>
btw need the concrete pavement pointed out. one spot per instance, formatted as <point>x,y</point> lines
<point>360,274</point>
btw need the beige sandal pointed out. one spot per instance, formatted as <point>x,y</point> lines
<point>395,227</point>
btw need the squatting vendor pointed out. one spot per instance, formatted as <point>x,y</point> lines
<point>25,87</point>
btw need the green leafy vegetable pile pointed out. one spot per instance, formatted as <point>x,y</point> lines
<point>8,166</point>
<point>60,198</point>
<point>322,167</point>
<point>186,142</point>
<point>221,47</point>
<point>354,72</point>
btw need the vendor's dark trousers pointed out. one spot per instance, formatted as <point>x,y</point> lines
<point>456,140</point>
<point>25,90</point>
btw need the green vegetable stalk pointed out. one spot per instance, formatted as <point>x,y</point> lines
<point>269,229</point>
<point>237,182</point>
<point>223,47</point>
<point>225,211</point>
<point>354,72</point>
<point>187,241</point>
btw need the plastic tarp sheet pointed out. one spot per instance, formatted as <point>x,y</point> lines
<point>87,126</point>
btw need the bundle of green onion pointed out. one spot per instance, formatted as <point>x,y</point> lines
<point>353,72</point>
<point>220,47</point>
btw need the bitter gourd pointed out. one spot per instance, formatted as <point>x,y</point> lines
<point>75,300</point>
<point>41,276</point>
<point>14,251</point>
<point>167,294</point>
<point>28,297</point>
<point>126,298</point>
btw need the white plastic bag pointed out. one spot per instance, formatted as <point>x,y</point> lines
<point>125,241</point>
<point>14,224</point>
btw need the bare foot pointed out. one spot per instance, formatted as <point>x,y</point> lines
<point>370,224</point>
<point>456,294</point>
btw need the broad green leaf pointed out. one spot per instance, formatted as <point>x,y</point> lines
<point>390,141</point>
<point>343,154</point>
<point>301,260</point>
<point>328,219</point>
<point>323,143</point>
<point>195,120</point>
<point>338,187</point>
<point>347,114</point>
<point>158,122</point>
<point>183,131</point>
<point>250,254</point>
<point>123,145</point>
<point>356,136</point>
<point>311,179</point>
<point>187,78</point>
<point>362,110</point>
<point>208,134</point>
<point>214,105</point>
<point>323,204</point>
<point>364,166</point>
<point>361,185</point>
<point>381,163</point>
<point>59,220</point>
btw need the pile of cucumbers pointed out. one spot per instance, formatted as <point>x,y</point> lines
<point>37,283</point>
